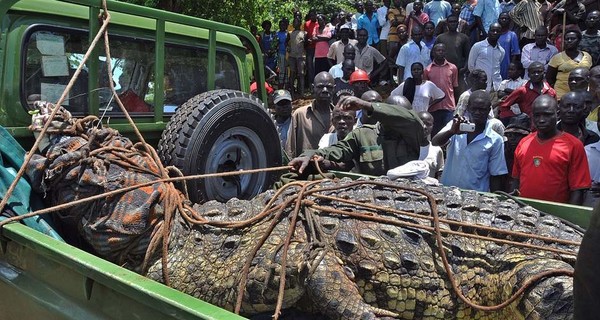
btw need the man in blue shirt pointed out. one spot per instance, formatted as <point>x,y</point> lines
<point>438,10</point>
<point>486,12</point>
<point>475,159</point>
<point>369,22</point>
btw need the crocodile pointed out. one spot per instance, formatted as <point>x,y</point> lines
<point>334,248</point>
<point>345,267</point>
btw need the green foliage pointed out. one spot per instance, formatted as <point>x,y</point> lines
<point>244,13</point>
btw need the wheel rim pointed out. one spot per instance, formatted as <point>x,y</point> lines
<point>238,148</point>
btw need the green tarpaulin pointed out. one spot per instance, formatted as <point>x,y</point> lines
<point>22,200</point>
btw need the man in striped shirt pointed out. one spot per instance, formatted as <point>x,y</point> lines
<point>526,14</point>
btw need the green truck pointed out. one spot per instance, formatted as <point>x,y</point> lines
<point>185,82</point>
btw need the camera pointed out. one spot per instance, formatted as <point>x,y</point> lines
<point>467,127</point>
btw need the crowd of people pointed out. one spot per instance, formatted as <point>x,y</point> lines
<point>490,95</point>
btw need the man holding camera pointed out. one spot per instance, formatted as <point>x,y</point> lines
<point>475,153</point>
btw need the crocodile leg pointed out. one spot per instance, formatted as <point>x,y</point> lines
<point>550,298</point>
<point>332,290</point>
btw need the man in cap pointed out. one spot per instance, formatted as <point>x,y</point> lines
<point>337,50</point>
<point>518,128</point>
<point>282,100</point>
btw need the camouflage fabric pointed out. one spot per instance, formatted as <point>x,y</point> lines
<point>99,160</point>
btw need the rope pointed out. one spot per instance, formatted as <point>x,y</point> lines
<point>35,146</point>
<point>454,222</point>
<point>173,203</point>
<point>442,253</point>
<point>141,185</point>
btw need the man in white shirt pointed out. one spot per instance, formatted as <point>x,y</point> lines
<point>413,51</point>
<point>435,156</point>
<point>360,9</point>
<point>487,55</point>
<point>349,53</point>
<point>385,25</point>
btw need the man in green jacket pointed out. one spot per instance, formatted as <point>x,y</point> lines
<point>397,138</point>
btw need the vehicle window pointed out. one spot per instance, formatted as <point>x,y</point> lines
<point>227,74</point>
<point>51,59</point>
<point>132,63</point>
<point>185,74</point>
<point>53,56</point>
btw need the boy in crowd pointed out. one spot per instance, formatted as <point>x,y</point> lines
<point>514,81</point>
<point>342,85</point>
<point>509,42</point>
<point>297,56</point>
<point>343,122</point>
<point>524,96</point>
<point>435,156</point>
<point>282,41</point>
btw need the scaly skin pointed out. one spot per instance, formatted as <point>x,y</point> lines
<point>361,266</point>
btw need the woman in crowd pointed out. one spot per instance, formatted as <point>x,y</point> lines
<point>421,93</point>
<point>561,64</point>
<point>322,45</point>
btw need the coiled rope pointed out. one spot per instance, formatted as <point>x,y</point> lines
<point>175,202</point>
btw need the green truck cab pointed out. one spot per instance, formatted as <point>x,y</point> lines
<point>185,82</point>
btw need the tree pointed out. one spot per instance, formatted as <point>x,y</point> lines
<point>244,13</point>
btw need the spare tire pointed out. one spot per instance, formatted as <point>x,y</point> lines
<point>220,131</point>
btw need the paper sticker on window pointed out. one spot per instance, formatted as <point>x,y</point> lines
<point>50,44</point>
<point>55,66</point>
<point>51,92</point>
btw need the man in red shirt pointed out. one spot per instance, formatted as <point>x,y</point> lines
<point>445,76</point>
<point>550,164</point>
<point>526,94</point>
